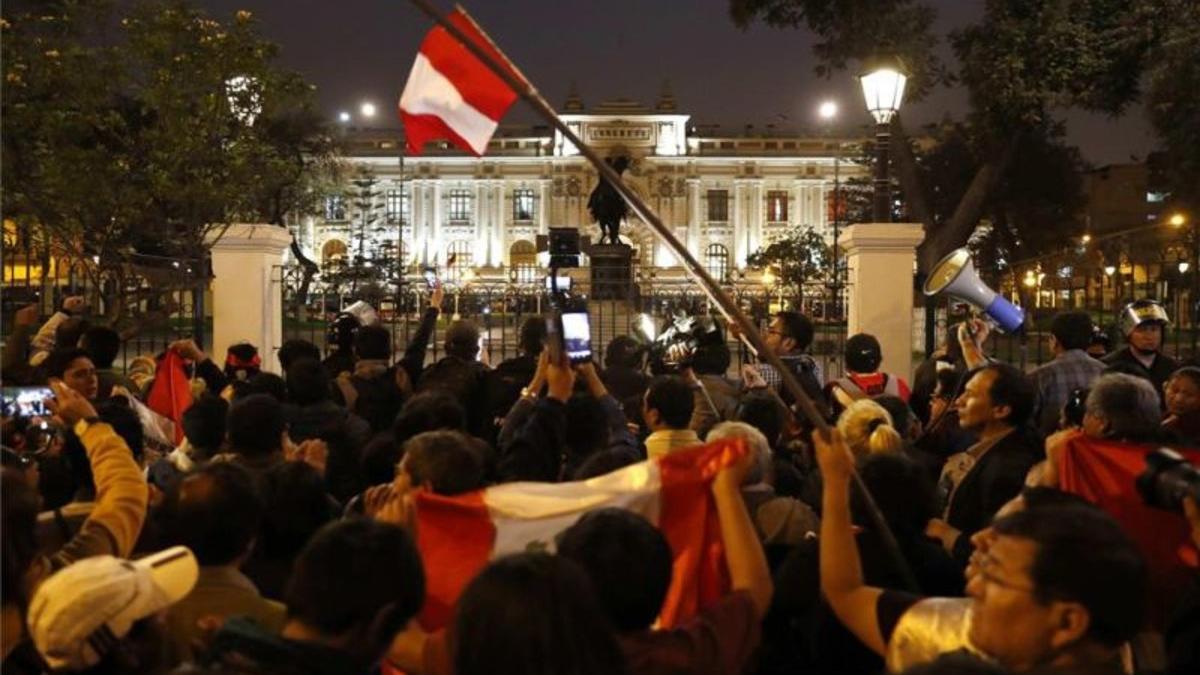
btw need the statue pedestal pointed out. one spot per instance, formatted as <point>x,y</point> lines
<point>612,271</point>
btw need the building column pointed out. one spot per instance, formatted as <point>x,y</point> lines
<point>437,252</point>
<point>757,215</point>
<point>247,289</point>
<point>498,239</point>
<point>741,241</point>
<point>543,206</point>
<point>880,259</point>
<point>695,217</point>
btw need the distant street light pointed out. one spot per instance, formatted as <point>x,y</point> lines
<point>883,89</point>
<point>828,110</point>
<point>344,117</point>
<point>1183,266</point>
<point>1109,270</point>
<point>1086,238</point>
<point>1177,220</point>
<point>367,109</point>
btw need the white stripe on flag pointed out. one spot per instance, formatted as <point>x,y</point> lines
<point>532,514</point>
<point>428,92</point>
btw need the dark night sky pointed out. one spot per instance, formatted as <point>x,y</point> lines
<point>357,50</point>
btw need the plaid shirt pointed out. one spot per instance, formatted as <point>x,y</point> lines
<point>1073,369</point>
<point>772,377</point>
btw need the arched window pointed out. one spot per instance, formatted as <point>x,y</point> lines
<point>716,261</point>
<point>522,259</point>
<point>333,249</point>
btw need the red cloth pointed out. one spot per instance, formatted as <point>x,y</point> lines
<point>170,393</point>
<point>451,94</point>
<point>1104,473</point>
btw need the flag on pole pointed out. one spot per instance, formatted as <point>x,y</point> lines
<point>458,536</point>
<point>451,94</point>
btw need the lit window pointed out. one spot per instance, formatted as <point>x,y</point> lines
<point>718,205</point>
<point>460,205</point>
<point>397,206</point>
<point>523,205</point>
<point>777,206</point>
<point>716,262</point>
<point>335,208</point>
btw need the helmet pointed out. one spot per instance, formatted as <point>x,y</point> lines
<point>1142,311</point>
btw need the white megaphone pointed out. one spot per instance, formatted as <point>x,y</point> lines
<point>955,274</point>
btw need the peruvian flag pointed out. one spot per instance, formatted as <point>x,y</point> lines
<point>458,536</point>
<point>451,94</point>
<point>1104,473</point>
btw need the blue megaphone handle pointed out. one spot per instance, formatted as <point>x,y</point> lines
<point>1007,315</point>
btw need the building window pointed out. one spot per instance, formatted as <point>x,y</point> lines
<point>522,258</point>
<point>523,205</point>
<point>460,205</point>
<point>334,249</point>
<point>718,205</point>
<point>777,206</point>
<point>716,262</point>
<point>397,206</point>
<point>335,208</point>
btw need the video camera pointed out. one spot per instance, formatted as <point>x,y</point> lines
<point>674,348</point>
<point>1168,478</point>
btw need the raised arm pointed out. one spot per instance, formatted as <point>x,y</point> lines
<point>414,355</point>
<point>852,601</point>
<point>744,554</point>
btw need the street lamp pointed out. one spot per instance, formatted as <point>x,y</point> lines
<point>1109,270</point>
<point>344,117</point>
<point>1183,266</point>
<point>367,109</point>
<point>1177,220</point>
<point>828,111</point>
<point>883,89</point>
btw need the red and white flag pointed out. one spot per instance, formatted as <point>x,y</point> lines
<point>451,94</point>
<point>458,536</point>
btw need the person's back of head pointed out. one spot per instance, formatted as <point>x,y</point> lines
<point>124,422</point>
<point>102,344</point>
<point>671,397</point>
<point>373,343</point>
<point>628,561</point>
<point>533,336</point>
<point>798,327</point>
<point>1122,407</point>
<point>1010,387</point>
<point>70,332</point>
<point>587,427</point>
<point>242,362</point>
<point>902,416</point>
<point>863,353</point>
<point>462,340</point>
<point>429,410</point>
<point>261,383</point>
<point>215,512</point>
<point>307,382</point>
<point>764,412</point>
<point>1072,330</point>
<point>358,581</point>
<point>204,423</point>
<point>256,426</point>
<point>1082,556</point>
<point>605,461</point>
<point>532,613</point>
<point>623,352</point>
<point>295,349</point>
<point>379,458</point>
<point>756,442</point>
<point>711,359</point>
<point>903,491</point>
<point>868,428</point>
<point>449,462</point>
<point>295,505</point>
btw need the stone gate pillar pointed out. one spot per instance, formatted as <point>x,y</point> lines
<point>880,259</point>
<point>247,290</point>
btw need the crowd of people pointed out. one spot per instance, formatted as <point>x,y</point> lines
<point>275,531</point>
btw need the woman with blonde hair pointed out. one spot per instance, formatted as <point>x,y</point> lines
<point>868,429</point>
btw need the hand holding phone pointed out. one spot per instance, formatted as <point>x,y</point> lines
<point>577,336</point>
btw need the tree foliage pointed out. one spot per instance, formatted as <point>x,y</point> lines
<point>1021,64</point>
<point>149,130</point>
<point>797,256</point>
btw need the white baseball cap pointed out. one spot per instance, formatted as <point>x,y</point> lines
<point>80,612</point>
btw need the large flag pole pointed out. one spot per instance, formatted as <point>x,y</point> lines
<point>512,76</point>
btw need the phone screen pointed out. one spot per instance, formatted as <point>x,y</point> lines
<point>577,336</point>
<point>26,401</point>
<point>563,283</point>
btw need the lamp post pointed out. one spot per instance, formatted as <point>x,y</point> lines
<point>828,112</point>
<point>1179,220</point>
<point>883,89</point>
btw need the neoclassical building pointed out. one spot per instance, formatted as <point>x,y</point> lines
<point>724,195</point>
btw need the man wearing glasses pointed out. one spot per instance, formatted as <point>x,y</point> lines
<point>1052,589</point>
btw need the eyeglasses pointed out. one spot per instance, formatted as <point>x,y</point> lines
<point>983,566</point>
<point>17,460</point>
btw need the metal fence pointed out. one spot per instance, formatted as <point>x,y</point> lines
<point>150,300</point>
<point>499,307</point>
